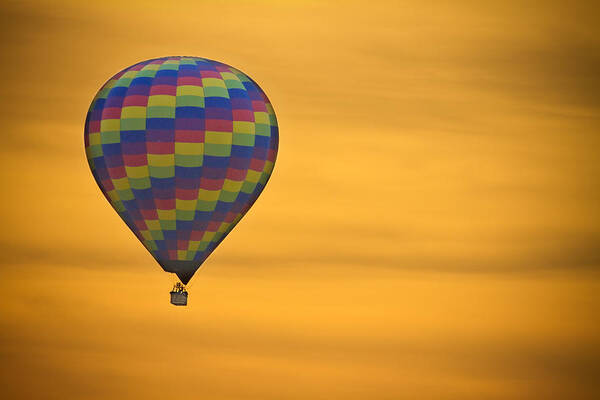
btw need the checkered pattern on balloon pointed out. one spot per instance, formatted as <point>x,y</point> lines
<point>181,147</point>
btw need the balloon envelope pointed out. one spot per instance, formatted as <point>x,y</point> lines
<point>181,147</point>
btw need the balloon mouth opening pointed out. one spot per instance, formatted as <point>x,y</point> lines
<point>184,270</point>
<point>185,277</point>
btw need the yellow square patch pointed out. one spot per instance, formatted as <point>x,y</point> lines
<point>213,82</point>
<point>137,172</point>
<point>121,183</point>
<point>161,160</point>
<point>190,90</point>
<point>153,225</point>
<point>229,75</point>
<point>243,127</point>
<point>232,186</point>
<point>166,215</point>
<point>161,100</point>
<point>208,236</point>
<point>223,227</point>
<point>208,195</point>
<point>253,176</point>
<point>133,112</point>
<point>261,117</point>
<point>218,137</point>
<point>110,125</point>
<point>191,149</point>
<point>189,205</point>
<point>94,138</point>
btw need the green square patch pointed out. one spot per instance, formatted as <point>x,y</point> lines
<point>110,137</point>
<point>218,150</point>
<point>227,196</point>
<point>263,129</point>
<point>161,172</point>
<point>183,160</point>
<point>133,124</point>
<point>125,195</point>
<point>185,215</point>
<point>139,183</point>
<point>95,151</point>
<point>190,101</point>
<point>248,187</point>
<point>243,139</point>
<point>234,84</point>
<point>203,205</point>
<point>157,235</point>
<point>160,112</point>
<point>168,224</point>
<point>212,91</point>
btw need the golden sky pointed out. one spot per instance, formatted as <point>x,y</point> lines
<point>431,229</point>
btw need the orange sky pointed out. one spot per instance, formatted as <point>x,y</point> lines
<point>431,229</point>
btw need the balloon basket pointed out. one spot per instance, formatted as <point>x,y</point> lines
<point>179,295</point>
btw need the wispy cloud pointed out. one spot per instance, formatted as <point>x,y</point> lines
<point>431,229</point>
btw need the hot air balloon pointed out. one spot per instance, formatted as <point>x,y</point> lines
<point>181,147</point>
